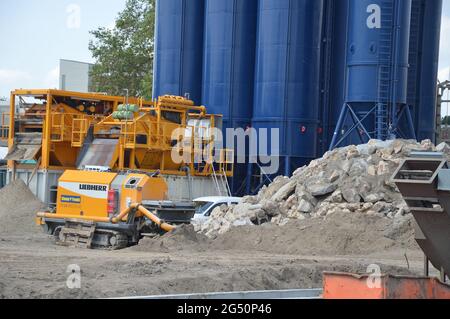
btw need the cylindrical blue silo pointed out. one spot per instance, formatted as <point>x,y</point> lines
<point>229,60</point>
<point>338,65</point>
<point>371,50</point>
<point>287,79</point>
<point>179,48</point>
<point>426,108</point>
<point>377,70</point>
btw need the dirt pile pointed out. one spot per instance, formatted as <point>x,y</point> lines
<point>182,238</point>
<point>18,208</point>
<point>354,179</point>
<point>337,234</point>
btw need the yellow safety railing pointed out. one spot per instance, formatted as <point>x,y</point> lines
<point>58,127</point>
<point>158,135</point>
<point>128,134</point>
<point>80,128</point>
<point>227,161</point>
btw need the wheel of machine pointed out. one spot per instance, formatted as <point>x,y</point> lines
<point>113,241</point>
<point>57,232</point>
<point>48,229</point>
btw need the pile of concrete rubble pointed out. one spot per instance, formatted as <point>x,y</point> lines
<point>354,179</point>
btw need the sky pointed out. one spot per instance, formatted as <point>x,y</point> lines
<point>36,34</point>
<point>444,55</point>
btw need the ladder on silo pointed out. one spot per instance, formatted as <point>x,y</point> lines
<point>385,71</point>
<point>414,45</point>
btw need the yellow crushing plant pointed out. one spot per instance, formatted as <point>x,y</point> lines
<point>111,160</point>
<point>100,209</point>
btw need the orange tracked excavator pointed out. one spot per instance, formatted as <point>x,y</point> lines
<point>101,209</point>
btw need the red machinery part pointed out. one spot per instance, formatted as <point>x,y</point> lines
<point>350,286</point>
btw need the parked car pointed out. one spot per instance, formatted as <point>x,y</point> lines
<point>206,205</point>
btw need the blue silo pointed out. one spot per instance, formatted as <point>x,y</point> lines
<point>426,108</point>
<point>338,66</point>
<point>377,72</point>
<point>287,79</point>
<point>228,69</point>
<point>229,60</point>
<point>179,48</point>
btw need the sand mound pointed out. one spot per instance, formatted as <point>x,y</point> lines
<point>18,208</point>
<point>337,234</point>
<point>182,238</point>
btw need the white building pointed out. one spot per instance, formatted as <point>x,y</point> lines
<point>4,105</point>
<point>74,76</point>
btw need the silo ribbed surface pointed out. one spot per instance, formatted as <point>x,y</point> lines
<point>338,63</point>
<point>179,48</point>
<point>426,108</point>
<point>287,80</point>
<point>229,60</point>
<point>370,49</point>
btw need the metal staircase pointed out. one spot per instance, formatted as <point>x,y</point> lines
<point>221,182</point>
<point>385,80</point>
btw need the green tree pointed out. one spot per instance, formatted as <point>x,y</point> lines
<point>446,120</point>
<point>124,54</point>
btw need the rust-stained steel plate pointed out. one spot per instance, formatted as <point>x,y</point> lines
<point>100,153</point>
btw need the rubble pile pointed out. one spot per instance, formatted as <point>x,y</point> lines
<point>354,179</point>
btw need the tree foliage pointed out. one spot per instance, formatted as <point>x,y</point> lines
<point>446,120</point>
<point>124,54</point>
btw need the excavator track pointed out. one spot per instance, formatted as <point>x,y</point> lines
<point>83,234</point>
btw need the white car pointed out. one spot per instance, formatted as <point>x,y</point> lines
<point>206,205</point>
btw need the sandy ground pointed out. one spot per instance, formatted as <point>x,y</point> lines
<point>34,267</point>
<point>293,256</point>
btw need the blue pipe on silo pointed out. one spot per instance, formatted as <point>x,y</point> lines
<point>287,79</point>
<point>179,48</point>
<point>229,60</point>
<point>426,111</point>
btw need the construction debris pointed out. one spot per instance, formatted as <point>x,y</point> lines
<point>354,179</point>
